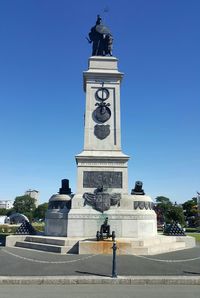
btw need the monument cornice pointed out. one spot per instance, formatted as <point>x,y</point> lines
<point>114,216</point>
<point>102,159</point>
<point>101,76</point>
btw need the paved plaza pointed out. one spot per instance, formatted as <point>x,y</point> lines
<point>23,262</point>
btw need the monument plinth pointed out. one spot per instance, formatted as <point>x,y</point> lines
<point>102,161</point>
<point>102,167</point>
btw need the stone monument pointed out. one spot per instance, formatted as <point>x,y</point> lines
<point>102,203</point>
<point>102,176</point>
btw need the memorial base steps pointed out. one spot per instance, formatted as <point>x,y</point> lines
<point>149,246</point>
<point>126,246</point>
<point>62,245</point>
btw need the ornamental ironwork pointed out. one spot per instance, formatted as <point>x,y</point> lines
<point>101,200</point>
<point>102,113</point>
<point>143,205</point>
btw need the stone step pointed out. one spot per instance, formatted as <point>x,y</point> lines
<point>157,249</point>
<point>153,241</point>
<point>133,246</point>
<point>48,247</point>
<point>129,247</point>
<point>52,240</point>
<point>167,248</point>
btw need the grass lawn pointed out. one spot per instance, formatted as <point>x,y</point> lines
<point>195,235</point>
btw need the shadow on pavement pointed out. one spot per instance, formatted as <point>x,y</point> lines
<point>92,273</point>
<point>190,272</point>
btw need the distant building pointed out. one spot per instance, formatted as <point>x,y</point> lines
<point>6,204</point>
<point>33,194</point>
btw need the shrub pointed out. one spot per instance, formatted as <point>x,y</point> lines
<point>8,229</point>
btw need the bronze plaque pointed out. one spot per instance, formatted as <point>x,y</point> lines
<point>101,131</point>
<point>93,179</point>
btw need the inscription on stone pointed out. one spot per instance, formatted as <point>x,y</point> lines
<point>94,179</point>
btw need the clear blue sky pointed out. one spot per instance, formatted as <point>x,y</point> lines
<point>43,53</point>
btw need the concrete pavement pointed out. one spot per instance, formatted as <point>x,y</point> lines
<point>99,291</point>
<point>28,266</point>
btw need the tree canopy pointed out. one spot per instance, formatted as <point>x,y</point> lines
<point>163,200</point>
<point>40,211</point>
<point>191,212</point>
<point>25,205</point>
<point>175,213</point>
<point>3,211</point>
<point>167,212</point>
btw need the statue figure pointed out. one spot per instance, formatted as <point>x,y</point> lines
<point>105,228</point>
<point>101,38</point>
<point>104,232</point>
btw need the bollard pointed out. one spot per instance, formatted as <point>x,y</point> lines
<point>114,270</point>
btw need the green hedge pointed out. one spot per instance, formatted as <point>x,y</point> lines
<point>39,227</point>
<point>195,235</point>
<point>8,229</point>
<point>11,229</point>
<point>192,230</point>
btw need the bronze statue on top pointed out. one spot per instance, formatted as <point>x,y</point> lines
<point>101,38</point>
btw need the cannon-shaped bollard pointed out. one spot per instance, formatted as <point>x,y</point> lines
<point>114,267</point>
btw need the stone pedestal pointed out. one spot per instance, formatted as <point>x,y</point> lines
<point>102,167</point>
<point>56,217</point>
<point>133,218</point>
<point>102,162</point>
<point>56,223</point>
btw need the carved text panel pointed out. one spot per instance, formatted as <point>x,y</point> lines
<point>94,179</point>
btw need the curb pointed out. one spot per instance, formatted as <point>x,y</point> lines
<point>126,280</point>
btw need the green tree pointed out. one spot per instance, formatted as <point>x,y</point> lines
<point>25,205</point>
<point>191,211</point>
<point>3,211</point>
<point>190,207</point>
<point>167,212</point>
<point>40,211</point>
<point>163,205</point>
<point>175,213</point>
<point>162,200</point>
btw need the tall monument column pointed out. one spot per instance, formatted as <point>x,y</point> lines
<point>102,170</point>
<point>102,162</point>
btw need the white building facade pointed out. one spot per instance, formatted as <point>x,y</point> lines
<point>33,194</point>
<point>6,204</point>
